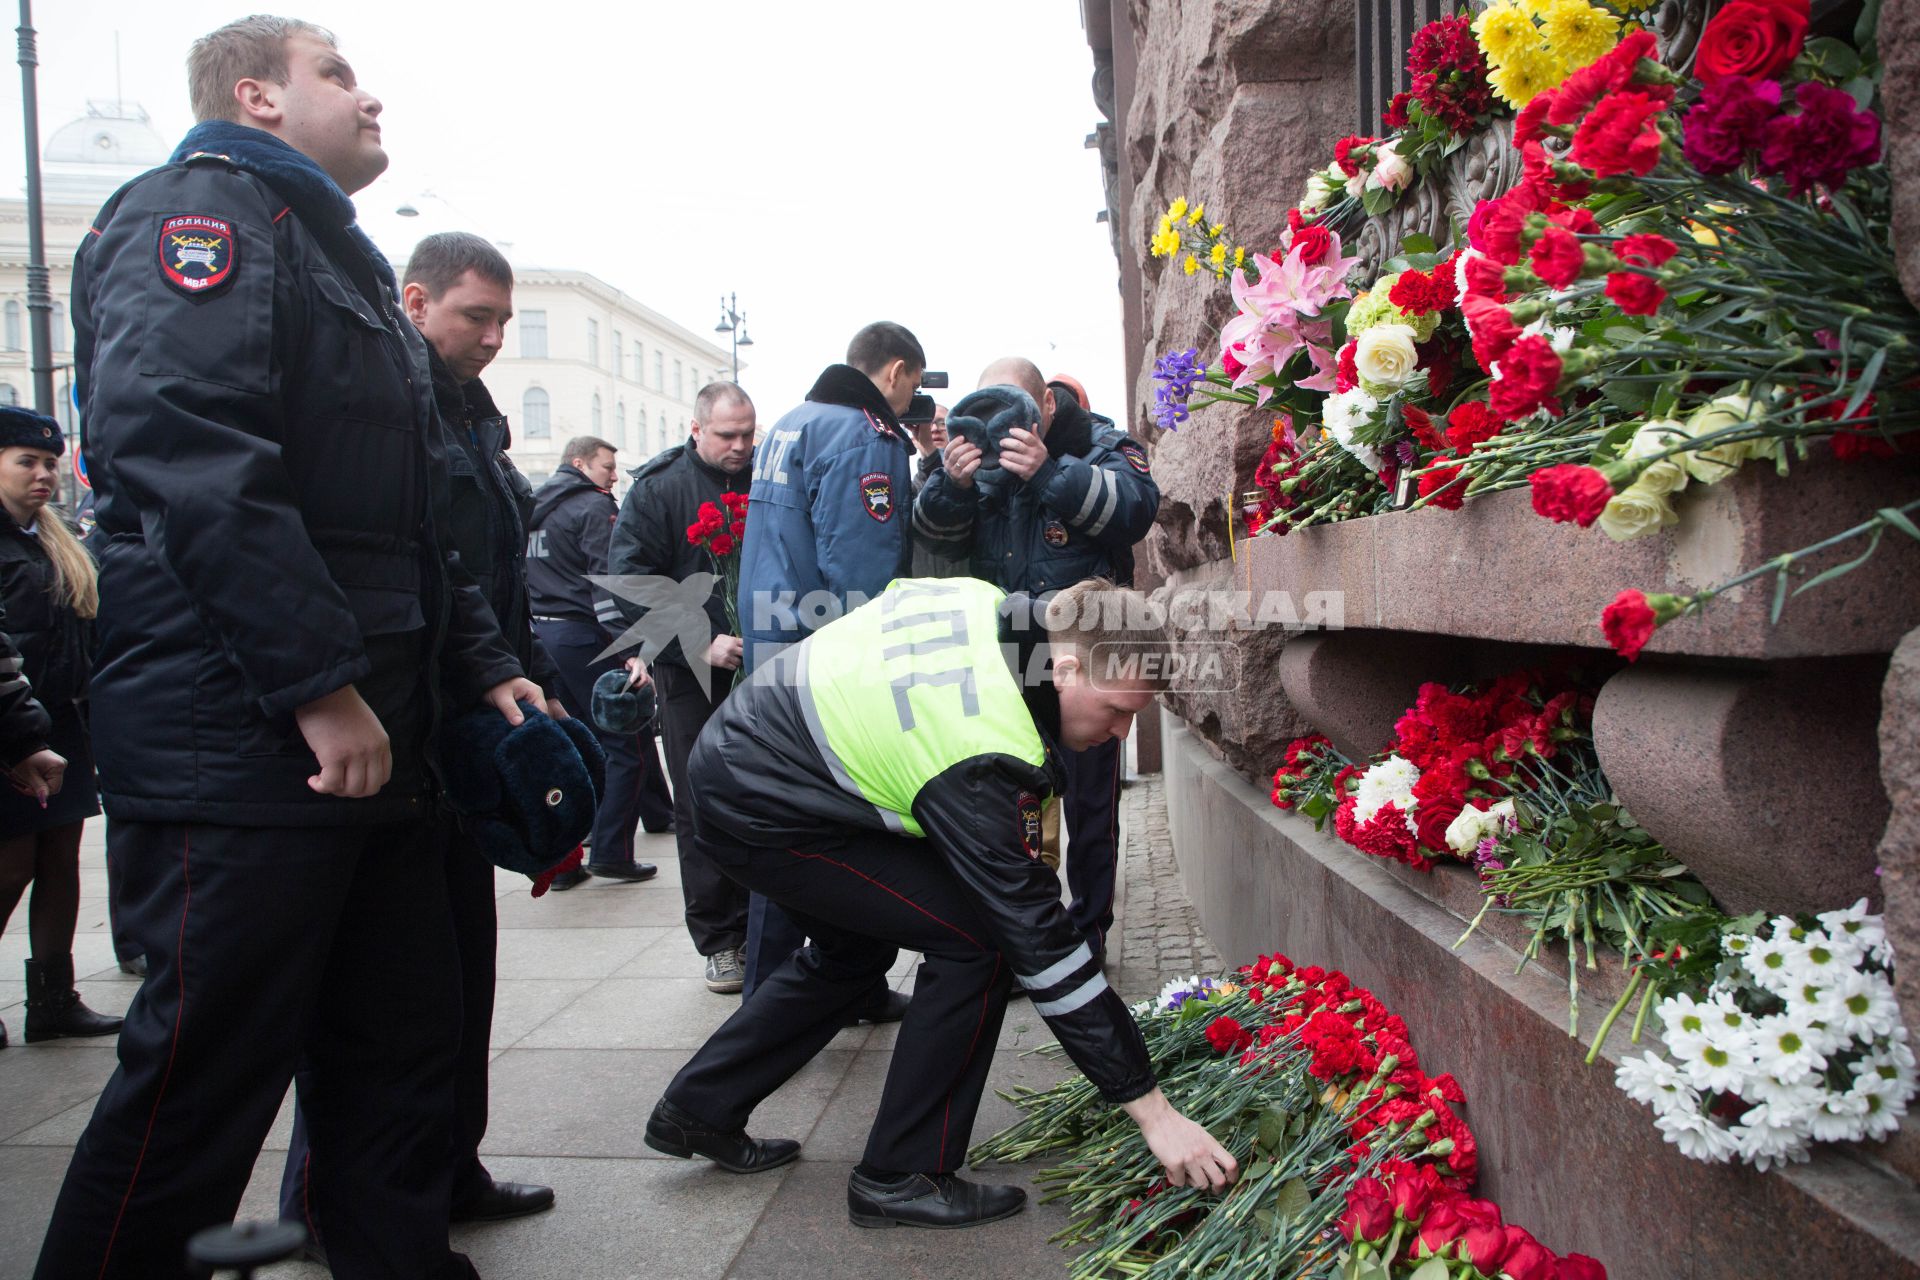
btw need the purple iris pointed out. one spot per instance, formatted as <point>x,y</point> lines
<point>1177,372</point>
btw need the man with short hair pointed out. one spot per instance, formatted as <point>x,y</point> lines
<point>650,541</point>
<point>458,292</point>
<point>827,530</point>
<point>569,531</point>
<point>282,627</point>
<point>1068,500</point>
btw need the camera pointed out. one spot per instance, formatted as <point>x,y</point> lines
<point>920,411</point>
<point>937,381</point>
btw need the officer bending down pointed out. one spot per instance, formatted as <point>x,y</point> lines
<point>882,782</point>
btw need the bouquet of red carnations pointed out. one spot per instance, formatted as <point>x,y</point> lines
<point>721,529</point>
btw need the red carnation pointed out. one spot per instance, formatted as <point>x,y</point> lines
<point>1420,422</point>
<point>1312,243</point>
<point>1493,329</point>
<point>1829,139</point>
<point>1621,135</point>
<point>1557,257</point>
<point>1228,1036</point>
<point>1579,220</point>
<point>722,544</point>
<point>1537,171</point>
<point>1758,38</point>
<point>1635,294</point>
<point>1417,294</point>
<point>1232,366</point>
<point>1570,492</point>
<point>1611,73</point>
<point>1729,121</point>
<point>738,529</point>
<point>1449,491</point>
<point>1469,424</point>
<point>1526,126</point>
<point>1346,374</point>
<point>1529,373</point>
<point>1486,278</point>
<point>1343,153</point>
<point>1645,250</point>
<point>1628,623</point>
<point>1395,116</point>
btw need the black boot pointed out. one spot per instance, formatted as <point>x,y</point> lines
<point>54,1008</point>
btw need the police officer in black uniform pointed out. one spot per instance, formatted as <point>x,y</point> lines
<point>458,291</point>
<point>572,525</point>
<point>650,541</point>
<point>281,628</point>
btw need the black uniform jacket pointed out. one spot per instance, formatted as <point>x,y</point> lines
<point>53,641</point>
<point>759,779</point>
<point>23,721</point>
<point>491,502</point>
<point>650,538</point>
<point>271,491</point>
<point>572,524</point>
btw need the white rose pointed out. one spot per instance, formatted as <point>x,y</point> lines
<point>1320,190</point>
<point>1655,437</point>
<point>1390,169</point>
<point>1637,512</point>
<point>1385,356</point>
<point>1716,462</point>
<point>1467,830</point>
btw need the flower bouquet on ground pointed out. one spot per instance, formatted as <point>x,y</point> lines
<point>719,530</point>
<point>1778,1034</point>
<point>1307,1079</point>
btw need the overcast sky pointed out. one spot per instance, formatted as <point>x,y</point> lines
<point>832,162</point>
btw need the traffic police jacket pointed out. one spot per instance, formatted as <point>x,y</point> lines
<point>23,721</point>
<point>924,714</point>
<point>571,525</point>
<point>1079,516</point>
<point>830,505</point>
<point>650,537</point>
<point>270,473</point>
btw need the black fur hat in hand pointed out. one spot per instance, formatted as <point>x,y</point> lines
<point>985,417</point>
<point>525,792</point>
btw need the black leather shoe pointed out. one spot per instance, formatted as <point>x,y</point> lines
<point>939,1200</point>
<point>631,874</point>
<point>569,880</point>
<point>673,1131</point>
<point>504,1200</point>
<point>890,1008</point>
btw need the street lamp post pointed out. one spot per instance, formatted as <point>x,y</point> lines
<point>733,322</point>
<point>39,296</point>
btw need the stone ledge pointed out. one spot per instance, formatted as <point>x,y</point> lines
<point>1562,1150</point>
<point>1494,569</point>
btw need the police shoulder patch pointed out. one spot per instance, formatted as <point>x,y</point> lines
<point>1027,819</point>
<point>197,253</point>
<point>876,495</point>
<point>1134,454</point>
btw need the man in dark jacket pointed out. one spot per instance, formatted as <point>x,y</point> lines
<point>458,292</point>
<point>571,526</point>
<point>650,541</point>
<point>882,781</point>
<point>831,501</point>
<point>281,628</point>
<point>1068,501</point>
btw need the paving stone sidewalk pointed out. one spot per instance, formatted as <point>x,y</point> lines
<point>600,1002</point>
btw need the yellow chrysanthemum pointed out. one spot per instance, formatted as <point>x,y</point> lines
<point>1504,31</point>
<point>1192,264</point>
<point>1178,209</point>
<point>1634,6</point>
<point>1165,239</point>
<point>1219,254</point>
<point>1240,257</point>
<point>1534,8</point>
<point>1528,73</point>
<point>1578,33</point>
<point>1199,212</point>
<point>1215,230</point>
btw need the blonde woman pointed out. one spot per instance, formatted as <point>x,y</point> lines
<point>48,588</point>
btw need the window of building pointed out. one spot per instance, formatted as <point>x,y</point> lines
<point>679,385</point>
<point>8,396</point>
<point>593,417</point>
<point>59,327</point>
<point>535,408</point>
<point>620,423</point>
<point>643,437</point>
<point>13,325</point>
<point>639,363</point>
<point>659,377</point>
<point>619,354</point>
<point>593,342</point>
<point>533,335</point>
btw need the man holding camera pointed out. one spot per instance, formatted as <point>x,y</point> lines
<point>826,531</point>
<point>1038,508</point>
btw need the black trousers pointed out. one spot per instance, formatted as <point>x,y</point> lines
<point>470,895</point>
<point>1092,812</point>
<point>271,949</point>
<point>859,900</point>
<point>636,785</point>
<point>716,904</point>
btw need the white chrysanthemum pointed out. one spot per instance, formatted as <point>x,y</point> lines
<point>1737,944</point>
<point>1788,1047</point>
<point>1719,1063</point>
<point>1772,961</point>
<point>1765,1138</point>
<point>1559,336</point>
<point>1865,929</point>
<point>1389,782</point>
<point>1697,1137</point>
<point>1823,955</point>
<point>1344,413</point>
<point>1886,1096</point>
<point>1652,1079</point>
<point>1841,1118</point>
<point>1727,1024</point>
<point>1685,1023</point>
<point>1178,987</point>
<point>1896,1050</point>
<point>1860,1004</point>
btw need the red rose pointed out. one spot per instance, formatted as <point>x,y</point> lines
<point>1448,491</point>
<point>1578,1266</point>
<point>1442,1225</point>
<point>1529,373</point>
<point>1635,294</point>
<point>1628,623</point>
<point>1369,1214</point>
<point>722,544</point>
<point>1570,492</point>
<point>1412,1194</point>
<point>1645,249</point>
<point>1484,1240</point>
<point>1557,257</point>
<point>1312,243</point>
<point>1620,135</point>
<point>1527,1258</point>
<point>1757,38</point>
<point>1395,116</point>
